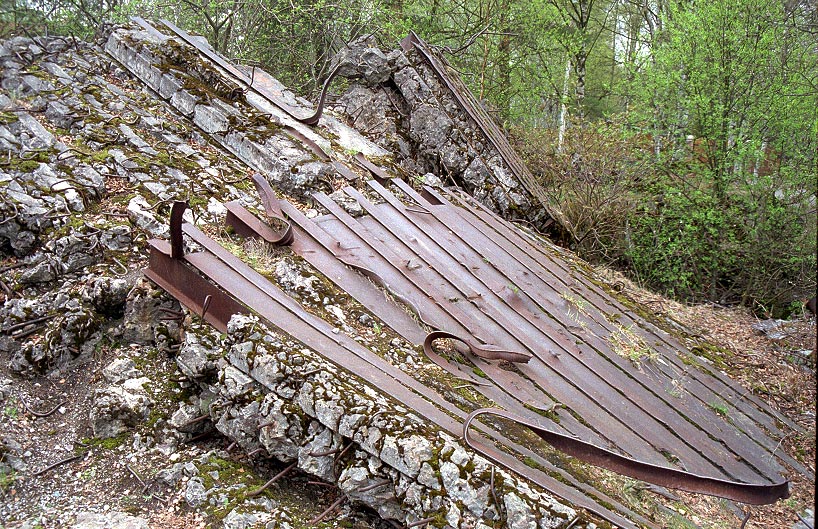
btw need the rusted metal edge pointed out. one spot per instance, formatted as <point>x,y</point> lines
<point>190,288</point>
<point>666,477</point>
<point>247,82</point>
<point>579,494</point>
<point>745,447</point>
<point>486,352</point>
<point>376,171</point>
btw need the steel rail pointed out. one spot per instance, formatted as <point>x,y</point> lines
<point>257,293</point>
<point>678,411</point>
<point>666,477</point>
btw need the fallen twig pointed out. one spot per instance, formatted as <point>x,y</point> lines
<point>328,510</point>
<point>60,463</point>
<point>52,411</point>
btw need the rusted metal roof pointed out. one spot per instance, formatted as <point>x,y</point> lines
<point>552,350</point>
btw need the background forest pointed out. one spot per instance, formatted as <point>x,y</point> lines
<point>678,139</point>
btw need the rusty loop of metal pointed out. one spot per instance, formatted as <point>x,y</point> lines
<point>313,120</point>
<point>657,475</point>
<point>484,351</point>
<point>246,224</point>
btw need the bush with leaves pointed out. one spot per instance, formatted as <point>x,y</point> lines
<point>591,180</point>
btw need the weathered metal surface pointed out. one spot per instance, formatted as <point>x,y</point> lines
<point>225,278</point>
<point>573,363</point>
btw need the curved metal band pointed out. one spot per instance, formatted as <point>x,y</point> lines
<point>272,209</point>
<point>177,248</point>
<point>754,494</point>
<point>313,120</point>
<point>486,352</point>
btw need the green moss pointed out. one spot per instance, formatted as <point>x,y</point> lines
<point>28,166</point>
<point>108,443</point>
<point>720,356</point>
<point>7,117</point>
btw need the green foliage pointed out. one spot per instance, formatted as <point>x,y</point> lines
<point>591,181</point>
<point>727,98</point>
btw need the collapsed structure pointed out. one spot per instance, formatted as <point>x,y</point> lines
<point>330,339</point>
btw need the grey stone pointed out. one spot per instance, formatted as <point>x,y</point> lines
<point>109,520</point>
<point>197,359</point>
<point>38,137</point>
<point>518,513</point>
<point>90,177</point>
<point>210,119</point>
<point>140,214</point>
<point>108,295</point>
<point>237,519</point>
<point>43,271</point>
<point>195,492</point>
<point>170,475</point>
<point>116,238</point>
<point>60,115</point>
<point>773,329</point>
<point>114,410</point>
<point>119,370</point>
<point>430,126</point>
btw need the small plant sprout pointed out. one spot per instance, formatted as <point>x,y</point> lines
<point>627,344</point>
<point>720,408</point>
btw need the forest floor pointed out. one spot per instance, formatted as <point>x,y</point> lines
<point>123,476</point>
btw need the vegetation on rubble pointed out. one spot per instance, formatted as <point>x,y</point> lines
<point>662,147</point>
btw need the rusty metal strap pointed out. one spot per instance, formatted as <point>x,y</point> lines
<point>486,352</point>
<point>753,494</point>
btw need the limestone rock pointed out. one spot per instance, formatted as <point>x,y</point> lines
<point>116,409</point>
<point>109,520</point>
